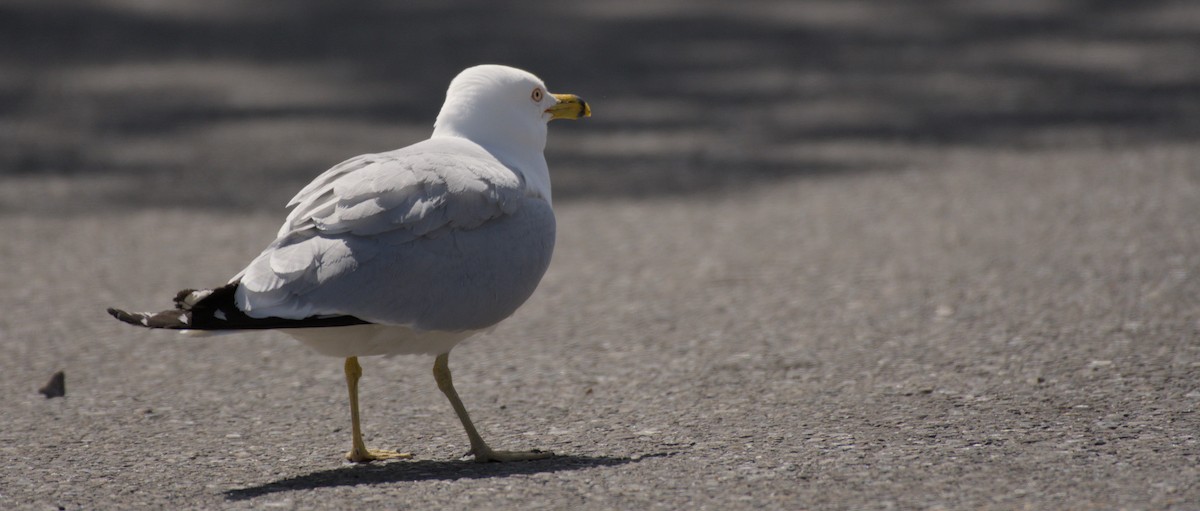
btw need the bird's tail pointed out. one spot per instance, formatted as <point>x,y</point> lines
<point>195,309</point>
<point>216,309</point>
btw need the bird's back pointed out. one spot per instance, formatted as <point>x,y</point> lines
<point>438,236</point>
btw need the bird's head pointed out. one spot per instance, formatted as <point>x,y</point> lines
<point>504,108</point>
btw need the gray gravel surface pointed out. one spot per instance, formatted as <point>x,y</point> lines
<point>812,255</point>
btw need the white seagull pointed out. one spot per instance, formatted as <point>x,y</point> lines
<point>409,251</point>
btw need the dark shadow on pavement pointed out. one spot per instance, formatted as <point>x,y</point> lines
<point>426,470</point>
<point>236,105</point>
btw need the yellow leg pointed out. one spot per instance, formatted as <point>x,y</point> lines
<point>483,453</point>
<point>359,452</point>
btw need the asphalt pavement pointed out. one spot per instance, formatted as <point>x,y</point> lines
<point>811,255</point>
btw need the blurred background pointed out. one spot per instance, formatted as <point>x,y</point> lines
<point>894,254</point>
<point>229,104</point>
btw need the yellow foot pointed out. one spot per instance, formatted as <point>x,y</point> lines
<point>486,454</point>
<point>369,455</point>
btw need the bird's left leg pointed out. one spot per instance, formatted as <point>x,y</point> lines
<point>483,453</point>
<point>359,452</point>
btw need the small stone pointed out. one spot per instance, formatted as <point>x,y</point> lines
<point>57,387</point>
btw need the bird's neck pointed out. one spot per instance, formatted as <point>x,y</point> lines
<point>530,164</point>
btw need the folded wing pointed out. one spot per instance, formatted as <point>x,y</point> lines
<point>424,236</point>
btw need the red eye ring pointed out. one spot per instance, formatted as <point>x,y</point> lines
<point>537,95</point>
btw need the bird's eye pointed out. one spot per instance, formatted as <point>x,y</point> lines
<point>537,95</point>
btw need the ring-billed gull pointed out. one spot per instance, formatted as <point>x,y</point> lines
<point>409,251</point>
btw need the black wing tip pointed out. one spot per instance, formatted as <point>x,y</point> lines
<point>169,319</point>
<point>125,316</point>
<point>215,310</point>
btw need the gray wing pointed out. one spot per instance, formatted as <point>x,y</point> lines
<point>439,235</point>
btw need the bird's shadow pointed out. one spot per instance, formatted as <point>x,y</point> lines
<point>426,470</point>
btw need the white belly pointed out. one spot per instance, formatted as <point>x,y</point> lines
<point>367,340</point>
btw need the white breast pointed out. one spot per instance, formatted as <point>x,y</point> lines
<point>367,340</point>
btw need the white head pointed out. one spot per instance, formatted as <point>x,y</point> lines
<point>505,110</point>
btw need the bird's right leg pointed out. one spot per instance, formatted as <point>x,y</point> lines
<point>358,451</point>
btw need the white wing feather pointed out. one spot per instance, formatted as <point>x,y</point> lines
<point>388,237</point>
